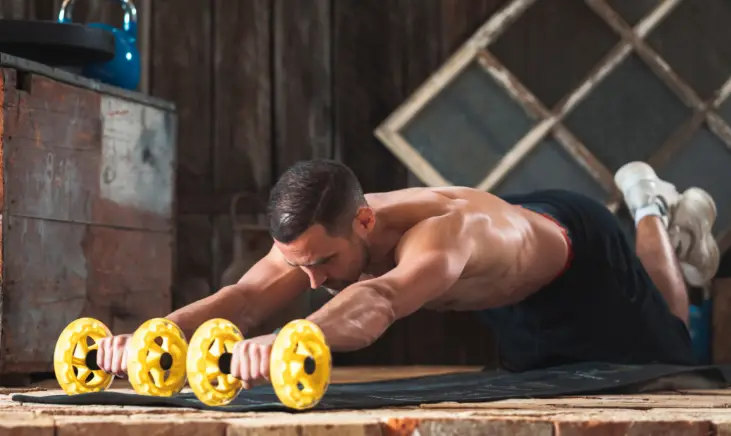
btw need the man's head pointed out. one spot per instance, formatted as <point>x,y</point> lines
<point>319,220</point>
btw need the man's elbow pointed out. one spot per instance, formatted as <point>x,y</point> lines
<point>384,304</point>
<point>384,314</point>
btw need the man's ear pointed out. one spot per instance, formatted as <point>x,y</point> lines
<point>365,221</point>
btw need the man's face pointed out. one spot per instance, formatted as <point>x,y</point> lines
<point>330,261</point>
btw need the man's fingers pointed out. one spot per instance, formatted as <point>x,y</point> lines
<point>250,362</point>
<point>254,362</point>
<point>265,360</point>
<point>244,362</point>
<point>108,356</point>
<point>124,361</point>
<point>117,355</point>
<point>235,359</point>
<point>101,353</point>
<point>115,367</point>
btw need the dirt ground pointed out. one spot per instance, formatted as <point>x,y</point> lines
<point>701,412</point>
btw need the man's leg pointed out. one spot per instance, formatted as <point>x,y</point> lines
<point>674,239</point>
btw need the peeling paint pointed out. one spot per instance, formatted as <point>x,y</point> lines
<point>137,156</point>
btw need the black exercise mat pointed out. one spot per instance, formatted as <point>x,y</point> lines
<point>580,379</point>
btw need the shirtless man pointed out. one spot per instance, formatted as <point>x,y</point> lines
<point>550,272</point>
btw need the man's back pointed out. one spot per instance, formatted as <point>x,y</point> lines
<point>507,244</point>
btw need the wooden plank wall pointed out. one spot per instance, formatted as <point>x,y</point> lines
<point>260,84</point>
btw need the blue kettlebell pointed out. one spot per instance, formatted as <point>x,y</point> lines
<point>124,69</point>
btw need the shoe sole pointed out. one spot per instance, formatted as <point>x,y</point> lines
<point>698,277</point>
<point>699,221</point>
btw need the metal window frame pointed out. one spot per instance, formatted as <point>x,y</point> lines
<point>632,41</point>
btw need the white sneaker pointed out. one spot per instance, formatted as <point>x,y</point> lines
<point>641,187</point>
<point>691,233</point>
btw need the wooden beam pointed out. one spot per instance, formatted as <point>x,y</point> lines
<point>719,126</point>
<point>302,81</point>
<point>723,94</point>
<point>585,158</point>
<point>651,21</point>
<point>615,57</point>
<point>368,68</point>
<point>14,9</point>
<point>144,27</point>
<point>181,42</point>
<point>677,140</point>
<point>242,131</point>
<point>180,55</point>
<point>721,347</point>
<point>643,50</point>
<point>452,67</point>
<point>241,97</point>
<point>517,153</point>
<point>530,104</point>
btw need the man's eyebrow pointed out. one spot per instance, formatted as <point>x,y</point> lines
<point>319,261</point>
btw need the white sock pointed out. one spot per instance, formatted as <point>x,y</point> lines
<point>653,209</point>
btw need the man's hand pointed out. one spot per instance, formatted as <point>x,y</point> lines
<point>251,358</point>
<point>111,355</point>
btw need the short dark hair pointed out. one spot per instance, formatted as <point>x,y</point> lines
<point>311,192</point>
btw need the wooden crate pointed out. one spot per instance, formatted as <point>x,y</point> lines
<point>87,209</point>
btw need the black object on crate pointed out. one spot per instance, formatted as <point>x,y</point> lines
<point>60,45</point>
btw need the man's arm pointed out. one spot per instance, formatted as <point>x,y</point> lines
<point>268,286</point>
<point>431,257</point>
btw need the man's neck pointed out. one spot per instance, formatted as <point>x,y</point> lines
<point>381,243</point>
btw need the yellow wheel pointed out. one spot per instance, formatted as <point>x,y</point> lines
<point>209,362</point>
<point>156,358</point>
<point>300,365</point>
<point>74,358</point>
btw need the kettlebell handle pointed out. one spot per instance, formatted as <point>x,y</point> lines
<point>130,15</point>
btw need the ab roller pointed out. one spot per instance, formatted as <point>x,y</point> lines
<point>299,366</point>
<point>160,361</point>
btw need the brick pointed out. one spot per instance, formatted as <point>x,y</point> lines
<point>722,429</point>
<point>25,424</point>
<point>633,428</point>
<point>308,429</point>
<point>466,427</point>
<point>311,425</point>
<point>121,426</point>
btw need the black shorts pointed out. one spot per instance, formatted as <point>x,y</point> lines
<point>603,308</point>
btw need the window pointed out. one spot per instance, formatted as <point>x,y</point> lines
<point>515,109</point>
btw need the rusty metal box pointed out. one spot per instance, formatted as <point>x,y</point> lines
<point>88,177</point>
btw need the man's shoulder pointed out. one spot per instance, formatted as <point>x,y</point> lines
<point>434,231</point>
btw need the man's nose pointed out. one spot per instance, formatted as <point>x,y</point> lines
<point>316,278</point>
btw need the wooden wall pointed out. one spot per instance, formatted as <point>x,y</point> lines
<point>260,84</point>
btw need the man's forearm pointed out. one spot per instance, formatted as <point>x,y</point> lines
<point>231,303</point>
<point>355,318</point>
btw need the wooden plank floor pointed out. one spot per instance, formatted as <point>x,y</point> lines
<point>700,412</point>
